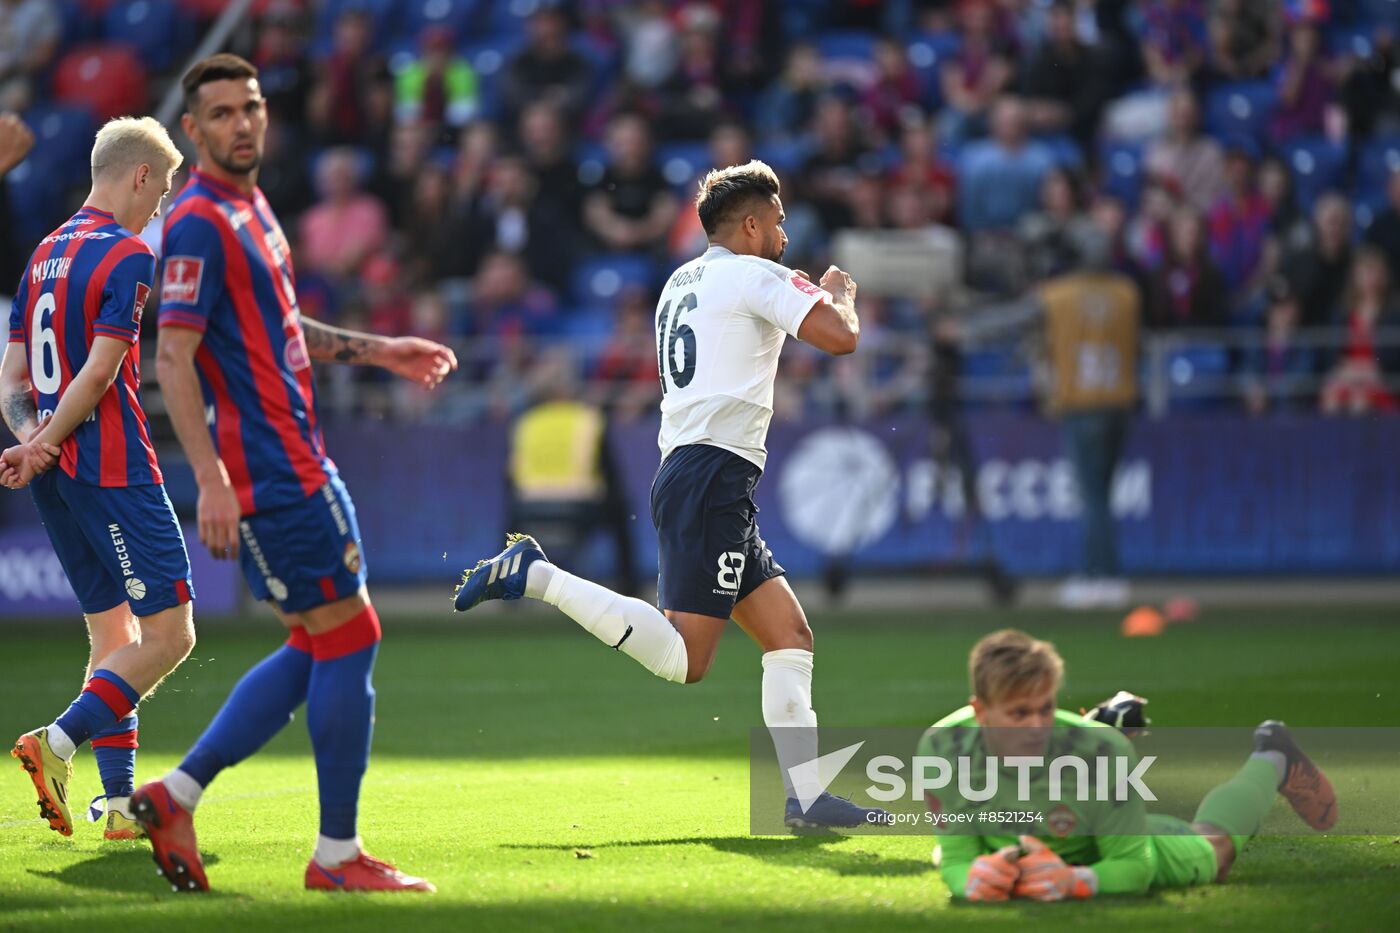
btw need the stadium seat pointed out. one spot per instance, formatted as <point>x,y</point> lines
<point>457,15</point>
<point>1064,150</point>
<point>926,54</point>
<point>1121,171</point>
<point>1242,109</point>
<point>81,22</point>
<point>599,279</point>
<point>37,201</point>
<point>154,28</point>
<point>1198,377</point>
<point>682,163</point>
<point>1317,164</point>
<point>106,78</point>
<point>1378,159</point>
<point>855,45</point>
<point>383,12</point>
<point>785,155</point>
<point>508,17</point>
<point>1379,12</point>
<point>62,140</point>
<point>1351,40</point>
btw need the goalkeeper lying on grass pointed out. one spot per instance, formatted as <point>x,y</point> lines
<point>1079,849</point>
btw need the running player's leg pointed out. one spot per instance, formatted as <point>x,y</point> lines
<point>114,747</point>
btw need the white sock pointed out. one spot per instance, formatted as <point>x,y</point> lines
<point>626,624</point>
<point>185,789</point>
<point>788,714</point>
<point>120,805</point>
<point>61,744</point>
<point>1277,759</point>
<point>332,852</point>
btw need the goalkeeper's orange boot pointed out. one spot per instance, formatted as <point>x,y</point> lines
<point>171,830</point>
<point>364,872</point>
<point>50,774</point>
<point>1304,785</point>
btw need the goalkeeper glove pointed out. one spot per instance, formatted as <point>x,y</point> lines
<point>992,877</point>
<point>1123,711</point>
<point>1046,877</point>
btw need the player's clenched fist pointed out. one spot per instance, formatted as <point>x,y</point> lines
<point>1046,877</point>
<point>993,877</point>
<point>838,282</point>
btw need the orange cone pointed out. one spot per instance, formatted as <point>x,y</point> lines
<point>1143,622</point>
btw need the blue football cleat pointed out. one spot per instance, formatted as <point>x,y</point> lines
<point>501,577</point>
<point>829,810</point>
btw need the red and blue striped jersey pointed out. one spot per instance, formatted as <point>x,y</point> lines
<point>228,274</point>
<point>90,278</point>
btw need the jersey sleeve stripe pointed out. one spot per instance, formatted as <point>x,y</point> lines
<point>173,317</point>
<point>107,330</point>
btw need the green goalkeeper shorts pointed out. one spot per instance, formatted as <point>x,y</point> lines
<point>1181,856</point>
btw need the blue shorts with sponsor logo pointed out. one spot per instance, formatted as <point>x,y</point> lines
<point>117,544</point>
<point>711,554</point>
<point>306,554</point>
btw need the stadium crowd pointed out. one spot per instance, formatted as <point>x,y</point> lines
<point>515,177</point>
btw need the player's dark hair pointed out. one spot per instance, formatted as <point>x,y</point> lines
<point>224,66</point>
<point>726,193</point>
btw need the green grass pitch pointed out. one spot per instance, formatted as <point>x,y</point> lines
<point>544,783</point>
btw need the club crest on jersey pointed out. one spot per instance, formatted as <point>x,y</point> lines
<point>352,557</point>
<point>1061,821</point>
<point>183,276</point>
<point>804,286</point>
<point>143,291</point>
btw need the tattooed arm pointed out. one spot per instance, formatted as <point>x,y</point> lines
<point>16,399</point>
<point>413,358</point>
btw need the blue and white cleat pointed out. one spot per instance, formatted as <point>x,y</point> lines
<point>501,577</point>
<point>829,811</point>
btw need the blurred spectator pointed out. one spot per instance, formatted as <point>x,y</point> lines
<point>1243,38</point>
<point>729,145</point>
<point>547,68</point>
<point>1110,219</point>
<point>347,225</point>
<point>352,98</point>
<point>1304,83</point>
<point>830,170</point>
<point>1064,81</point>
<point>1367,87</point>
<point>787,106</point>
<point>1173,44</point>
<point>631,206</point>
<point>16,140</point>
<point>1318,271</point>
<point>1277,375</point>
<point>544,140</point>
<point>895,90</point>
<point>920,168</point>
<point>505,303</point>
<point>1188,290</point>
<point>438,87</point>
<point>651,48</point>
<point>510,217</point>
<point>1356,383</point>
<point>1384,232</point>
<point>388,306</point>
<point>1288,228</point>
<point>476,152</point>
<point>29,34</point>
<point>693,98</point>
<point>1239,223</point>
<point>1185,158</point>
<point>282,173</point>
<point>435,252</point>
<point>627,366</point>
<point>1150,229</point>
<point>284,73</point>
<point>409,146</point>
<point>999,178</point>
<point>976,75</point>
<point>1054,235</point>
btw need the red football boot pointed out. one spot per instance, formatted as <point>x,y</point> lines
<point>364,872</point>
<point>171,828</point>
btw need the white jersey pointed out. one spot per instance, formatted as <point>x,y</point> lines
<point>720,325</point>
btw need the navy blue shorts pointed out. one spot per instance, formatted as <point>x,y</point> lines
<point>306,554</point>
<point>711,554</point>
<point>117,544</point>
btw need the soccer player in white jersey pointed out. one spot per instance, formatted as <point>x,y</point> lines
<point>721,322</point>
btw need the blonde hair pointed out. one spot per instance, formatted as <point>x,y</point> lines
<point>1009,663</point>
<point>723,191</point>
<point>127,142</point>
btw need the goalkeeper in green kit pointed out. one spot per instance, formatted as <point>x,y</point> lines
<point>1074,848</point>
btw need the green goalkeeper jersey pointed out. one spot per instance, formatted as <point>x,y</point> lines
<point>1106,835</point>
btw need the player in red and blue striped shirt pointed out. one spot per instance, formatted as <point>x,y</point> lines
<point>235,365</point>
<point>69,390</point>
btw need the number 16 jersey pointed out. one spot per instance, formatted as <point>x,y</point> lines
<point>720,326</point>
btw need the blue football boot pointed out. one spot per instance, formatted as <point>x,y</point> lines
<point>829,810</point>
<point>501,577</point>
